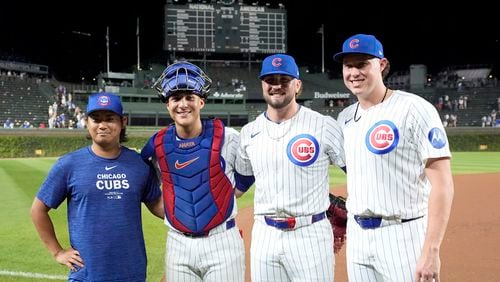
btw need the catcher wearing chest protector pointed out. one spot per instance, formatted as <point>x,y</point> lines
<point>337,214</point>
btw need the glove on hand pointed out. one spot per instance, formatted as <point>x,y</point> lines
<point>337,214</point>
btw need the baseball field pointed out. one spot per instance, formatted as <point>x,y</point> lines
<point>469,251</point>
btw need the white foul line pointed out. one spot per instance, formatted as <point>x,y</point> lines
<point>32,275</point>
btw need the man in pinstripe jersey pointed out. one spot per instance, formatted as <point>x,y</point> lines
<point>288,149</point>
<point>399,184</point>
<point>195,160</point>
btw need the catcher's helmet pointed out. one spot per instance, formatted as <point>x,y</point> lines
<point>182,76</point>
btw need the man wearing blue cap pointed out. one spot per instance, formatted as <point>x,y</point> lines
<point>399,182</point>
<point>104,185</point>
<point>195,160</point>
<point>289,148</point>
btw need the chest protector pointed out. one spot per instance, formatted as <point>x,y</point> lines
<point>197,194</point>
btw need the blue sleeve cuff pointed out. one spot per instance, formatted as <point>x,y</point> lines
<point>243,182</point>
<point>149,149</point>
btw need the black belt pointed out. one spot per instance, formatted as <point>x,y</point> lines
<point>375,222</point>
<point>290,222</point>
<point>229,224</point>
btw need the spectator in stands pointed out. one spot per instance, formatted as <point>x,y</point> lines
<point>455,106</point>
<point>62,120</point>
<point>461,102</point>
<point>331,103</point>
<point>488,121</point>
<point>8,123</point>
<point>104,185</point>
<point>447,103</point>
<point>446,118</point>
<point>63,100</point>
<point>81,121</point>
<point>439,104</point>
<point>50,111</point>
<point>453,120</point>
<point>483,121</point>
<point>26,124</point>
<point>71,106</point>
<point>54,108</point>
<point>71,124</point>
<point>52,121</point>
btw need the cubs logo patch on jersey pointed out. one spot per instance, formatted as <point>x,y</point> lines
<point>303,150</point>
<point>382,137</point>
<point>437,138</point>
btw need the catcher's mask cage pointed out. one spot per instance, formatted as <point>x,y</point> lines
<point>182,76</point>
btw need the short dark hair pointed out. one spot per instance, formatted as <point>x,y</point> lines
<point>386,70</point>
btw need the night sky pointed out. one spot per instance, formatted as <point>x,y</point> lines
<point>70,37</point>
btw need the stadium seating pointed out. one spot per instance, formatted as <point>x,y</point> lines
<point>22,100</point>
<point>28,99</point>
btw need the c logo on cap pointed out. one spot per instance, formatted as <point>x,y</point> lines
<point>276,62</point>
<point>103,100</point>
<point>354,43</point>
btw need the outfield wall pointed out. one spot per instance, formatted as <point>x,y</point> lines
<point>22,143</point>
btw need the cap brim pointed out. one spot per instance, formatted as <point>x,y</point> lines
<point>277,72</point>
<point>340,56</point>
<point>102,109</point>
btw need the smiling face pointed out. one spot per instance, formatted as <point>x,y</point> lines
<point>184,108</point>
<point>363,74</point>
<point>279,90</point>
<point>104,128</point>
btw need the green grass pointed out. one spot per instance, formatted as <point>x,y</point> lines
<point>22,251</point>
<point>20,248</point>
<point>475,162</point>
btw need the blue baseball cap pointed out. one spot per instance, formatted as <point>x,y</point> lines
<point>279,64</point>
<point>104,102</point>
<point>361,44</point>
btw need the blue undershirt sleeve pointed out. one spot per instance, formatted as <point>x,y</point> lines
<point>243,182</point>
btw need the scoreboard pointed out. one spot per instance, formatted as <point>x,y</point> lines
<point>224,29</point>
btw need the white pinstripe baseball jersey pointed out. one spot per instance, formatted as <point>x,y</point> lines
<point>386,152</point>
<point>228,153</point>
<point>290,162</point>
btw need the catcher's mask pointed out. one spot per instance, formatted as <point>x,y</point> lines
<point>182,76</point>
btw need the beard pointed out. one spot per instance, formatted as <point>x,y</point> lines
<point>281,103</point>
